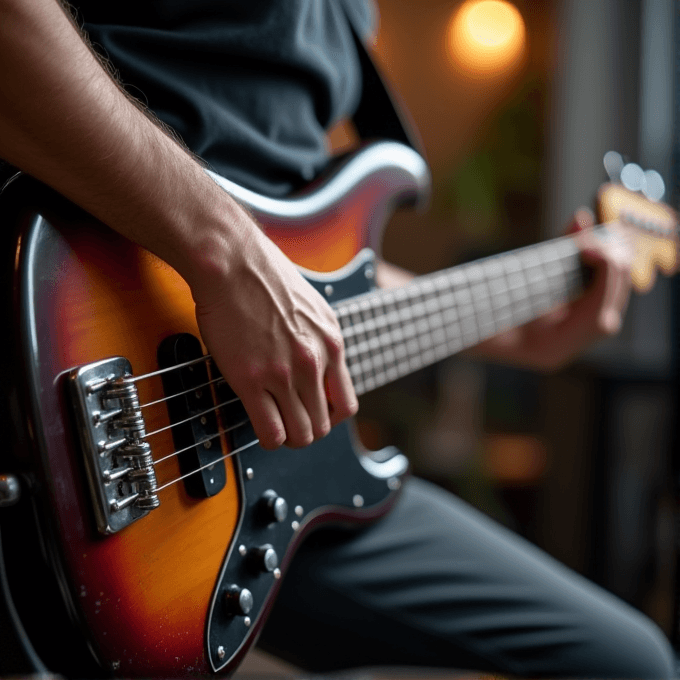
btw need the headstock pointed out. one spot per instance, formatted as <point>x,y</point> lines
<point>651,226</point>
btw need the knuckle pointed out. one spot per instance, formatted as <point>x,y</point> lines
<point>301,439</point>
<point>335,344</point>
<point>323,429</point>
<point>254,374</point>
<point>269,444</point>
<point>271,437</point>
<point>281,374</point>
<point>347,409</point>
<point>309,357</point>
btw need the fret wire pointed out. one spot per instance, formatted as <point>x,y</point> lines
<point>412,358</point>
<point>355,316</point>
<point>414,290</point>
<point>517,285</point>
<point>386,320</point>
<point>366,362</point>
<point>407,327</point>
<point>482,303</point>
<point>392,319</point>
<point>415,358</point>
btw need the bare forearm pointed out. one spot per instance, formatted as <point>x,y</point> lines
<point>66,122</point>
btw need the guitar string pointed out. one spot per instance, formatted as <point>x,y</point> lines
<point>214,381</point>
<point>362,377</point>
<point>225,431</point>
<point>212,409</point>
<point>416,294</point>
<point>207,465</point>
<point>205,358</point>
<point>354,341</point>
<point>355,336</point>
<point>366,373</point>
<point>396,360</point>
<point>382,367</point>
<point>411,291</point>
<point>211,463</point>
<point>189,419</point>
<point>161,371</point>
<point>379,329</point>
<point>203,441</point>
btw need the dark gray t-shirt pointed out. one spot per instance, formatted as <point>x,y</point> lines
<point>249,85</point>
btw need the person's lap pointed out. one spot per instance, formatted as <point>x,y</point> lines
<point>436,583</point>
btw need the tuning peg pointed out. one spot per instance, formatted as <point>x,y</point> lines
<point>649,182</point>
<point>613,164</point>
<point>654,187</point>
<point>633,177</point>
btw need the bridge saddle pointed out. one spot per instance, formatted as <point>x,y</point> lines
<point>112,432</point>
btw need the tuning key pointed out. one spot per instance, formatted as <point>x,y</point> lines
<point>613,164</point>
<point>654,186</point>
<point>633,177</point>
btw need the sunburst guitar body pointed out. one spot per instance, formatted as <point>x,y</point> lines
<point>167,529</point>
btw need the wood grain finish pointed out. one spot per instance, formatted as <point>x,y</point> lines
<point>142,594</point>
<point>82,294</point>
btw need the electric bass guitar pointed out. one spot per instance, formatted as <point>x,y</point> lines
<point>168,528</point>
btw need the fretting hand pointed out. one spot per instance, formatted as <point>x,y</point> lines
<point>556,338</point>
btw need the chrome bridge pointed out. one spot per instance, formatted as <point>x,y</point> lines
<point>118,461</point>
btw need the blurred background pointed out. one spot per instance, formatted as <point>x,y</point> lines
<point>516,104</point>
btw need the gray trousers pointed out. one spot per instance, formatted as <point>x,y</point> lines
<point>436,583</point>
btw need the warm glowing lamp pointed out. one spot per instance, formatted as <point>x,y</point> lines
<point>486,37</point>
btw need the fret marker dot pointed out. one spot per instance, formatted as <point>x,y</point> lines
<point>328,289</point>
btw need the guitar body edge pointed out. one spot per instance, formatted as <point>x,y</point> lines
<point>148,600</point>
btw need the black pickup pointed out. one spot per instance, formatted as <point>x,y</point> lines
<point>193,402</point>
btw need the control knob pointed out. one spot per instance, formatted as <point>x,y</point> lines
<point>239,601</point>
<point>264,558</point>
<point>275,508</point>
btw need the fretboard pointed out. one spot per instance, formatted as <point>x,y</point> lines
<point>390,333</point>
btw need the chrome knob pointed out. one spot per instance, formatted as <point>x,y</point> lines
<point>264,558</point>
<point>239,601</point>
<point>274,506</point>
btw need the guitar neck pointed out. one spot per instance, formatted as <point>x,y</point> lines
<point>390,333</point>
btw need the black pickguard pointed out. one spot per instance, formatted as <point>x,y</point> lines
<point>324,482</point>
